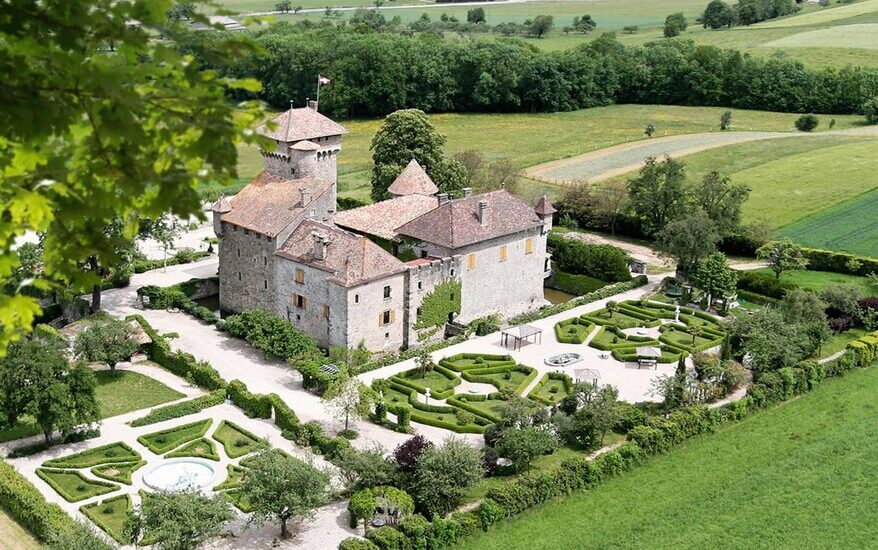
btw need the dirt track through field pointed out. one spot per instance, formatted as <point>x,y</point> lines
<point>626,157</point>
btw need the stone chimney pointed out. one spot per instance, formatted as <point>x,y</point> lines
<point>306,196</point>
<point>483,213</point>
<point>443,198</point>
<point>320,245</point>
<point>467,191</point>
<point>312,104</point>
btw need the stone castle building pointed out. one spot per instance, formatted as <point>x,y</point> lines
<point>382,273</point>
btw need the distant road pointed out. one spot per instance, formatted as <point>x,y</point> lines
<point>626,157</point>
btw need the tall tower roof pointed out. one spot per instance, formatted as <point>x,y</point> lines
<point>544,207</point>
<point>301,123</point>
<point>413,180</point>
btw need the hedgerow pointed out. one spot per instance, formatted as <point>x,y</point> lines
<point>183,408</point>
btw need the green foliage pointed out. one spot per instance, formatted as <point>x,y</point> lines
<point>658,194</point>
<point>689,240</point>
<point>807,123</point>
<point>443,474</point>
<point>200,448</point>
<point>439,304</point>
<point>725,120</point>
<point>165,440</point>
<point>179,520</point>
<point>253,405</point>
<point>354,543</point>
<point>392,501</point>
<point>110,515</point>
<point>26,505</point>
<point>106,454</point>
<point>280,487</point>
<point>573,331</point>
<point>106,341</point>
<point>870,110</point>
<point>675,24</point>
<point>601,294</point>
<point>541,25</point>
<point>274,336</point>
<point>74,486</point>
<point>105,166</point>
<point>405,135</point>
<point>782,255</point>
<point>715,277</point>
<point>522,445</point>
<point>721,201</point>
<point>367,468</point>
<point>37,380</point>
<point>184,408</point>
<point>348,398</point>
<point>577,285</point>
<point>601,261</point>
<point>157,297</point>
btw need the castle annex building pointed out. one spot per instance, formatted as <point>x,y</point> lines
<point>364,275</point>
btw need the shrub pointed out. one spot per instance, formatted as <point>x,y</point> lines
<point>807,123</point>
<point>600,261</point>
<point>270,334</point>
<point>387,538</point>
<point>253,405</point>
<point>354,543</point>
<point>184,408</point>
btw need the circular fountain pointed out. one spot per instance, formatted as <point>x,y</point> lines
<point>179,474</point>
<point>563,359</point>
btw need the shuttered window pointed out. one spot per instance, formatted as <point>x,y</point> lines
<point>471,262</point>
<point>529,246</point>
<point>300,301</point>
<point>503,253</point>
<point>300,276</point>
<point>386,317</point>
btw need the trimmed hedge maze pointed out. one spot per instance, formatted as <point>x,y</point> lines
<point>462,413</point>
<point>696,331</point>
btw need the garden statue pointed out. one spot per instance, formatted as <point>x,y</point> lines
<point>677,313</point>
<point>427,399</point>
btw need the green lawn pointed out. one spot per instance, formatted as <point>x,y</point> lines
<point>106,454</point>
<point>800,475</point>
<point>73,486</point>
<point>236,440</point>
<point>200,448</point>
<point>110,515</point>
<point>118,472</point>
<point>234,475</point>
<point>840,227</point>
<point>165,440</point>
<point>840,341</point>
<point>127,391</point>
<point>130,391</point>
<point>818,280</point>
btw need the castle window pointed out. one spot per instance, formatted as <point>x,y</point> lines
<point>423,253</point>
<point>265,284</point>
<point>529,246</point>
<point>300,276</point>
<point>452,273</point>
<point>265,260</point>
<point>420,285</point>
<point>470,262</point>
<point>292,171</point>
<point>239,275</point>
<point>418,312</point>
<point>246,231</point>
<point>235,228</point>
<point>300,301</point>
<point>239,252</point>
<point>356,298</point>
<point>387,292</point>
<point>386,317</point>
<point>503,253</point>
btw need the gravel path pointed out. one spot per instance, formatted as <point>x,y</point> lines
<point>626,157</point>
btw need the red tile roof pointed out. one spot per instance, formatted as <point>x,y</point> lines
<point>413,180</point>
<point>544,206</point>
<point>301,123</point>
<point>350,259</point>
<point>270,203</point>
<point>456,223</point>
<point>381,218</point>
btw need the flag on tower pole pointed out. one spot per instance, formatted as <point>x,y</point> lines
<point>321,81</point>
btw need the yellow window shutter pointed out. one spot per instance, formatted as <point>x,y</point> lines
<point>529,246</point>
<point>471,261</point>
<point>304,303</point>
<point>503,253</point>
<point>380,319</point>
<point>392,315</point>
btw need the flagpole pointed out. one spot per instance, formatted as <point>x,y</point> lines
<point>318,91</point>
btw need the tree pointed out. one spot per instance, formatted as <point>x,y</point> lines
<point>109,341</point>
<point>768,342</point>
<point>721,201</point>
<point>89,137</point>
<point>476,15</point>
<point>649,130</point>
<point>443,475</point>
<point>179,520</point>
<point>591,412</point>
<point>584,24</point>
<point>715,277</point>
<point>612,307</point>
<point>182,11</point>
<point>82,536</point>
<point>522,445</point>
<point>405,135</point>
<point>725,121</point>
<point>675,24</point>
<point>348,398</point>
<point>808,311</point>
<point>367,468</point>
<point>807,123</point>
<point>630,29</point>
<point>541,25</point>
<point>163,230</point>
<point>611,202</point>
<point>424,362</point>
<point>408,453</point>
<point>658,193</point>
<point>37,380</point>
<point>782,255</point>
<point>688,240</point>
<point>285,6</point>
<point>870,110</point>
<point>717,15</point>
<point>280,487</point>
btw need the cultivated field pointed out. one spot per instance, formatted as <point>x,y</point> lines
<point>796,476</point>
<point>849,226</point>
<point>824,16</point>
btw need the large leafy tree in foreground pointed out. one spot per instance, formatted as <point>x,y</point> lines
<point>102,120</point>
<point>179,521</point>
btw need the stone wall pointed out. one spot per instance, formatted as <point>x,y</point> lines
<point>366,303</point>
<point>420,281</point>
<point>246,270</point>
<point>328,331</point>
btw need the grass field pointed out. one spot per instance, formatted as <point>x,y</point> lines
<point>819,280</point>
<point>798,475</point>
<point>528,139</point>
<point>864,35</point>
<point>15,537</point>
<point>821,17</point>
<point>844,227</point>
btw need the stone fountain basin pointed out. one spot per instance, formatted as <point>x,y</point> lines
<point>179,474</point>
<point>563,359</point>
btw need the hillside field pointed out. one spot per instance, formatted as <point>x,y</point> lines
<point>799,475</point>
<point>528,139</point>
<point>849,226</point>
